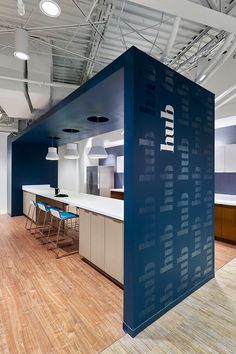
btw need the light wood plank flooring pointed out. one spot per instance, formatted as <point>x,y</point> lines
<point>52,306</point>
<point>65,306</point>
<point>203,323</point>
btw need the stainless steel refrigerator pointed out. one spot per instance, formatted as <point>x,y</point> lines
<point>100,180</point>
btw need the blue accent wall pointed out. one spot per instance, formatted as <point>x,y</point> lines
<point>111,160</point>
<point>225,183</point>
<point>27,165</point>
<point>169,196</point>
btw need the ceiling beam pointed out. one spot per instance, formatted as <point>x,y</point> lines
<point>192,12</point>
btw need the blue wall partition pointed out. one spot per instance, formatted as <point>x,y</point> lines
<point>169,191</point>
<point>27,166</point>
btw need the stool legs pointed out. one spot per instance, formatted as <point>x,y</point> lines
<point>28,216</point>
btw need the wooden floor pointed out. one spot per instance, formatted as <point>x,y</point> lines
<point>62,306</point>
<point>203,323</point>
<point>52,306</point>
<point>224,253</point>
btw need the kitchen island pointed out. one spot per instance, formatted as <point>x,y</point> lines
<point>225,217</point>
<point>101,231</point>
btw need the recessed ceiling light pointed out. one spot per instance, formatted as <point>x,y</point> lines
<point>97,119</point>
<point>50,8</point>
<point>70,130</point>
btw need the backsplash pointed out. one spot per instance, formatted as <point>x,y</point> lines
<point>225,183</point>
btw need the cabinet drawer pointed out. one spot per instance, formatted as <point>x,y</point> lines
<point>85,234</point>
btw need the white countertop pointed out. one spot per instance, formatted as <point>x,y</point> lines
<point>117,190</point>
<point>106,206</point>
<point>225,199</point>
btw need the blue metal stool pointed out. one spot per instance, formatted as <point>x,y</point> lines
<point>62,217</point>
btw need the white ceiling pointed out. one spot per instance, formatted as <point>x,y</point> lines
<point>90,34</point>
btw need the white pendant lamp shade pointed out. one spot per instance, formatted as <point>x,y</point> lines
<point>21,44</point>
<point>97,150</point>
<point>52,154</point>
<point>71,152</point>
<point>50,8</point>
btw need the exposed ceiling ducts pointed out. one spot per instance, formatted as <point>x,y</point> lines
<point>67,50</point>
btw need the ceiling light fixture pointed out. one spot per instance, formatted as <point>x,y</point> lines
<point>50,8</point>
<point>202,77</point>
<point>97,150</point>
<point>21,44</point>
<point>71,152</point>
<point>52,154</point>
<point>71,148</point>
<point>201,69</point>
<point>20,7</point>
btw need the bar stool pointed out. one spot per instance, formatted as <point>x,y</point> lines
<point>45,208</point>
<point>61,216</point>
<point>32,206</point>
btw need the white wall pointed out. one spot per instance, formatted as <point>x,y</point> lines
<point>72,173</point>
<point>68,172</point>
<point>3,173</point>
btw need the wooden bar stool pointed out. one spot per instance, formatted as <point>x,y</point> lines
<point>62,217</point>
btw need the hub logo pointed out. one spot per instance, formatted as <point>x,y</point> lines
<point>168,115</point>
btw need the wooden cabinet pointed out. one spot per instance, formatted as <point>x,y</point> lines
<point>97,240</point>
<point>114,249</point>
<point>102,243</point>
<point>218,220</point>
<point>225,223</point>
<point>229,223</point>
<point>117,195</point>
<point>85,234</point>
<point>27,197</point>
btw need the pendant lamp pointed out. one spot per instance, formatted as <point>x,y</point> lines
<point>21,44</point>
<point>52,154</point>
<point>97,150</point>
<point>71,152</point>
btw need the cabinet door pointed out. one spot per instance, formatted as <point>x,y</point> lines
<point>114,249</point>
<point>27,197</point>
<point>229,223</point>
<point>230,160</point>
<point>219,159</point>
<point>85,234</point>
<point>218,220</point>
<point>97,240</point>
